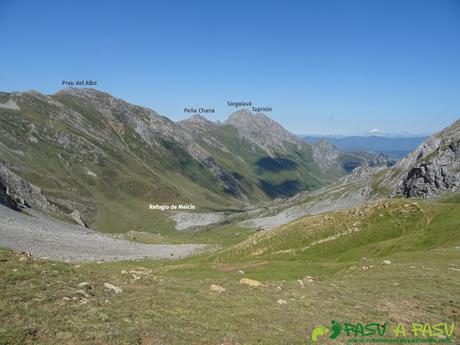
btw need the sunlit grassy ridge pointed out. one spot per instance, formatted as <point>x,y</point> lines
<point>378,229</point>
<point>328,243</point>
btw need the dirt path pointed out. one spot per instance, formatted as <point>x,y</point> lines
<point>45,237</point>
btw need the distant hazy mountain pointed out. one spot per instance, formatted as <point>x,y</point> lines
<point>394,147</point>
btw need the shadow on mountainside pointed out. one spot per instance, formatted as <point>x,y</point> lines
<point>275,164</point>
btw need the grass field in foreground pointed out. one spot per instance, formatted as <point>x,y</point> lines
<point>172,303</point>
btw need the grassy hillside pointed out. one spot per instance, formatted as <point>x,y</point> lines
<point>390,261</point>
<point>83,160</point>
<point>263,177</point>
<point>108,159</point>
<point>376,230</point>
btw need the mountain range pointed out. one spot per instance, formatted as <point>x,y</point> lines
<point>87,157</point>
<point>102,160</point>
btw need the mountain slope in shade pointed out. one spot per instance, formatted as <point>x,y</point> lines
<point>272,164</point>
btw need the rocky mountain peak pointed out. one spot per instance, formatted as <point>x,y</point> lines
<point>246,119</point>
<point>79,91</point>
<point>263,131</point>
<point>93,96</point>
<point>197,119</point>
<point>263,117</point>
<point>96,98</point>
<point>240,116</point>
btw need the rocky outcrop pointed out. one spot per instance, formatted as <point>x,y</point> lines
<point>434,175</point>
<point>76,217</point>
<point>6,199</point>
<point>330,157</point>
<point>231,184</point>
<point>325,154</point>
<point>433,168</point>
<point>17,193</point>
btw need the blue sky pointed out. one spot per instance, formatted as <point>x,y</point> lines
<point>325,67</point>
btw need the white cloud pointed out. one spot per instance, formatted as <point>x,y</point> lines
<point>375,131</point>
